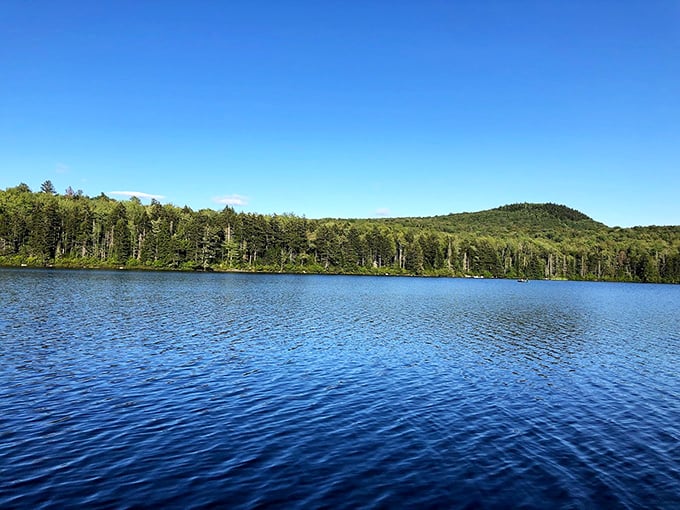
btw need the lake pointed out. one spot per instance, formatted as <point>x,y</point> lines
<point>122,389</point>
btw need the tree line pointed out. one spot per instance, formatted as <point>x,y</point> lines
<point>72,230</point>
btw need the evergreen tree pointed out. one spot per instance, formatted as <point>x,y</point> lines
<point>48,187</point>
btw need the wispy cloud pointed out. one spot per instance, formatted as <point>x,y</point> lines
<point>238,200</point>
<point>61,168</point>
<point>383,211</point>
<point>138,194</point>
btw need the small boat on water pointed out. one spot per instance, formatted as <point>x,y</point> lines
<point>523,280</point>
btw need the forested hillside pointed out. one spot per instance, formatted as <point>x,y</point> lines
<point>520,240</point>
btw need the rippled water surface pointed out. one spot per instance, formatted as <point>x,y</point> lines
<point>121,389</point>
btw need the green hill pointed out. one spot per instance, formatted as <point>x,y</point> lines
<point>527,219</point>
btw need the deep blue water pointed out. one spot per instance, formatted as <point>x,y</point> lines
<point>122,389</point>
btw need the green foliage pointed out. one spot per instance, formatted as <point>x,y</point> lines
<point>559,212</point>
<point>518,240</point>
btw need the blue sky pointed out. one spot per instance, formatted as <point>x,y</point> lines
<point>348,109</point>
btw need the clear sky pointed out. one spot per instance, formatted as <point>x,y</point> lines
<point>348,108</point>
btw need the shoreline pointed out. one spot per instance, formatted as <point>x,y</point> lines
<point>291,271</point>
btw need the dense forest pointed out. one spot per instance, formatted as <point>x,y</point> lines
<point>521,240</point>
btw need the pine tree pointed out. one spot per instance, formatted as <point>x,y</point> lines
<point>48,187</point>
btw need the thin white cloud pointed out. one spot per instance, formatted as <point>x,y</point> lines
<point>138,194</point>
<point>61,168</point>
<point>238,200</point>
<point>383,211</point>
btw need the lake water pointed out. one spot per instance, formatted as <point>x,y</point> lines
<point>121,389</point>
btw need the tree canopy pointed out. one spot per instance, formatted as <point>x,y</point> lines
<point>512,241</point>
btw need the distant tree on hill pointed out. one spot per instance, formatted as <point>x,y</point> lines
<point>48,187</point>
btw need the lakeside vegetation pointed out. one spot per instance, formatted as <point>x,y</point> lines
<point>45,228</point>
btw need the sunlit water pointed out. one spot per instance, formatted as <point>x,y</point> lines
<point>122,389</point>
